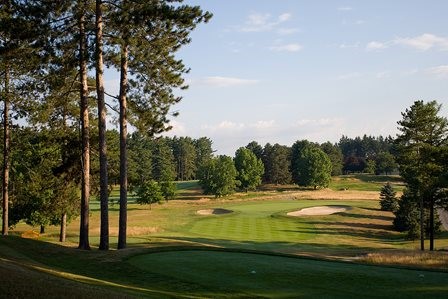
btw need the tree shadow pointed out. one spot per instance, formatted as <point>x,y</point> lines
<point>373,217</point>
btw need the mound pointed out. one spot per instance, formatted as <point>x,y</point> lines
<point>217,211</point>
<point>318,211</point>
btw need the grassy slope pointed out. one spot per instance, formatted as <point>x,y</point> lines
<point>256,225</point>
<point>281,277</point>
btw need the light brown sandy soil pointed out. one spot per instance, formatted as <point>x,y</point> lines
<point>314,211</point>
<point>217,211</point>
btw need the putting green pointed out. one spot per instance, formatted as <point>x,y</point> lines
<point>259,222</point>
<point>246,274</point>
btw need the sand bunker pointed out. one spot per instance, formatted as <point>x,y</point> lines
<point>214,212</point>
<point>322,210</point>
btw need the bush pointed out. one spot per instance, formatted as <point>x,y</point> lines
<point>148,193</point>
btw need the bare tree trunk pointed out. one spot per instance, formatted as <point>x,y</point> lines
<point>422,224</point>
<point>42,229</point>
<point>431,225</point>
<point>63,231</point>
<point>85,135</point>
<point>122,226</point>
<point>104,228</point>
<point>6,152</point>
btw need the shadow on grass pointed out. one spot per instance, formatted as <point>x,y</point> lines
<point>371,178</point>
<point>100,269</point>
<point>373,217</point>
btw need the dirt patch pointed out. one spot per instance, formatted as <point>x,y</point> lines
<point>318,211</point>
<point>217,211</point>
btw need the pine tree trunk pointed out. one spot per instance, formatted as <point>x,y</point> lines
<point>63,231</point>
<point>6,152</point>
<point>123,151</point>
<point>422,224</point>
<point>104,228</point>
<point>431,226</point>
<point>85,188</point>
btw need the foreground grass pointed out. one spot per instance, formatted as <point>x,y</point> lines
<point>38,269</point>
<point>287,277</point>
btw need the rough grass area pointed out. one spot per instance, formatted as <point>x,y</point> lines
<point>365,182</point>
<point>251,275</point>
<point>19,281</point>
<point>428,260</point>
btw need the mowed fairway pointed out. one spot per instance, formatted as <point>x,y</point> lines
<point>254,222</point>
<point>264,225</point>
<point>237,274</point>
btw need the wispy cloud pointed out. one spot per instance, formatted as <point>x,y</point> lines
<point>264,22</point>
<point>440,71</point>
<point>227,126</point>
<point>345,8</point>
<point>287,31</point>
<point>424,42</point>
<point>376,46</point>
<point>349,46</point>
<point>218,81</point>
<point>349,76</point>
<point>383,75</point>
<point>295,47</point>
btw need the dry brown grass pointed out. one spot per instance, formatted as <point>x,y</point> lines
<point>428,260</point>
<point>30,234</point>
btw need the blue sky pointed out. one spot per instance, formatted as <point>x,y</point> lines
<point>280,71</point>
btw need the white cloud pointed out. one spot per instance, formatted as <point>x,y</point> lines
<point>230,127</point>
<point>262,124</point>
<point>217,81</point>
<point>345,8</point>
<point>348,76</point>
<point>284,17</point>
<point>258,22</point>
<point>318,122</point>
<point>383,75</point>
<point>287,31</point>
<point>349,46</point>
<point>424,42</point>
<point>375,46</point>
<point>287,48</point>
<point>440,71</point>
<point>410,72</point>
<point>178,129</point>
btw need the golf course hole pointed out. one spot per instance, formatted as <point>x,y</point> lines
<point>217,211</point>
<point>319,211</point>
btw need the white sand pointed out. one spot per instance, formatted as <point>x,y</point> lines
<point>217,211</point>
<point>314,211</point>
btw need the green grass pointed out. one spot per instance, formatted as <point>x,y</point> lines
<point>365,182</point>
<point>236,274</point>
<point>154,266</point>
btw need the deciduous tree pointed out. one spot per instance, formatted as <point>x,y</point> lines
<point>250,169</point>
